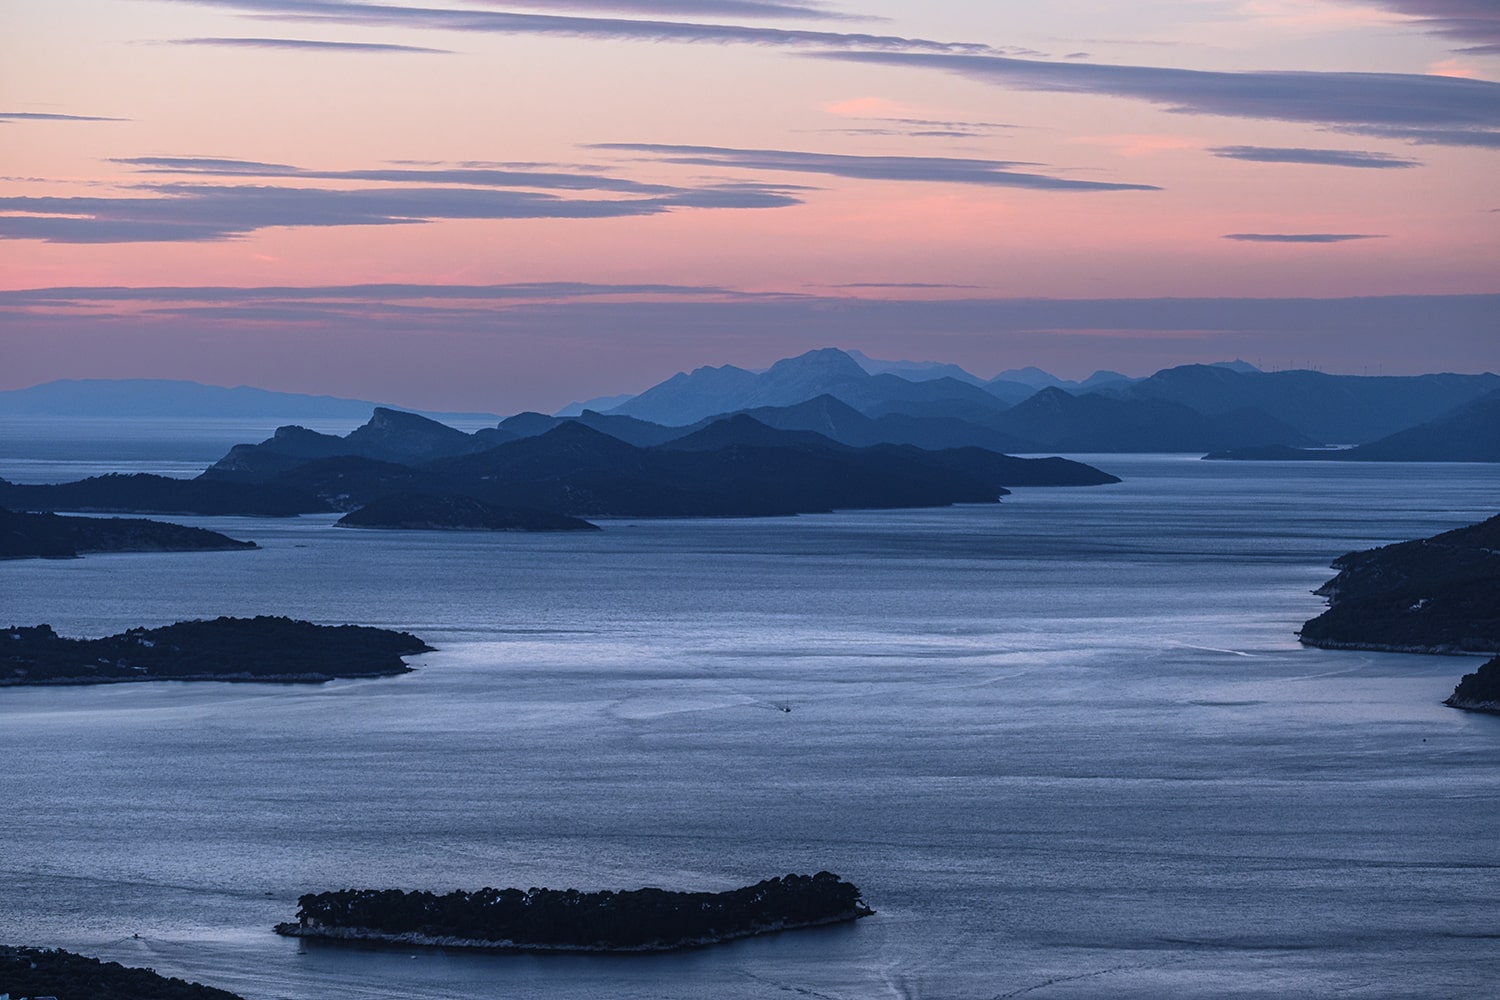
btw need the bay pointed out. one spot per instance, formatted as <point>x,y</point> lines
<point>1067,745</point>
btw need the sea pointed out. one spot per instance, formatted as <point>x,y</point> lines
<point>1067,745</point>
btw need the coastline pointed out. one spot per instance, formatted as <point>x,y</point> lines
<point>362,935</point>
<point>1437,649</point>
<point>237,678</point>
<point>1470,705</point>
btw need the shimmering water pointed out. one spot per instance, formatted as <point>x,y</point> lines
<point>1067,745</point>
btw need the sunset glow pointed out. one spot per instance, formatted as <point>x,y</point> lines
<point>499,207</point>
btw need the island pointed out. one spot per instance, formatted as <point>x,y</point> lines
<point>144,493</point>
<point>639,920</point>
<point>49,972</point>
<point>451,512</point>
<point>1432,595</point>
<point>1479,691</point>
<point>264,649</point>
<point>51,536</point>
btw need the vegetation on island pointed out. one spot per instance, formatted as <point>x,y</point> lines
<point>52,536</point>
<point>1479,691</point>
<point>1433,595</point>
<point>47,972</point>
<point>264,649</point>
<point>568,920</point>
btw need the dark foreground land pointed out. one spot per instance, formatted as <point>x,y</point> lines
<point>41,972</point>
<point>1433,595</point>
<point>264,649</point>
<point>1479,691</point>
<point>52,536</point>
<point>568,920</point>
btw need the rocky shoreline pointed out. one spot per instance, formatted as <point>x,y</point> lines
<point>552,920</point>
<point>364,935</point>
<point>1479,691</point>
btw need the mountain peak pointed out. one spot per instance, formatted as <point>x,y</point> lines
<point>824,362</point>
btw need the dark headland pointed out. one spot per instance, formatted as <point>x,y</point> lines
<point>49,972</point>
<point>1432,595</point>
<point>640,920</point>
<point>1479,691</point>
<point>51,536</point>
<point>264,649</point>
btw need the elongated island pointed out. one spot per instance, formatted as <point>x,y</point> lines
<point>265,649</point>
<point>639,920</point>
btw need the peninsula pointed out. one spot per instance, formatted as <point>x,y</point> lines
<point>264,649</point>
<point>640,920</point>
<point>1432,595</point>
<point>50,972</point>
<point>1479,691</point>
<point>52,536</point>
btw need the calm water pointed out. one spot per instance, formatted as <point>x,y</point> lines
<point>1067,745</point>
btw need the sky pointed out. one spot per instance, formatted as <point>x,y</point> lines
<point>501,205</point>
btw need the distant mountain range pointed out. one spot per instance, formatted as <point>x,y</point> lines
<point>1230,409</point>
<point>1470,433</point>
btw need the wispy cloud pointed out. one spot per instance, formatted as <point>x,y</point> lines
<point>308,45</point>
<point>1302,237</point>
<point>464,175</point>
<point>31,116</point>
<point>513,23</point>
<point>1432,108</point>
<point>936,169</point>
<point>1316,157</point>
<point>1475,138</point>
<point>1475,21</point>
<point>893,284</point>
<point>203,213</point>
<point>384,293</point>
<point>691,8</point>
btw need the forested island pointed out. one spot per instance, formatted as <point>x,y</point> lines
<point>639,920</point>
<point>52,536</point>
<point>1479,691</point>
<point>46,972</point>
<point>1432,595</point>
<point>264,649</point>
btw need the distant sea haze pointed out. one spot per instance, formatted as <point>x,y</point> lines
<point>859,402</point>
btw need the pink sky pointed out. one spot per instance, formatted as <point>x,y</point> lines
<point>580,199</point>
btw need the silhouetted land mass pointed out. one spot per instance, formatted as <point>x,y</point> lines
<point>446,511</point>
<point>568,920</point>
<point>1479,691</point>
<point>262,649</point>
<point>1187,408</point>
<point>52,536</point>
<point>1327,409</point>
<point>1433,595</point>
<point>736,466</point>
<point>45,972</point>
<point>147,494</point>
<point>1470,433</point>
